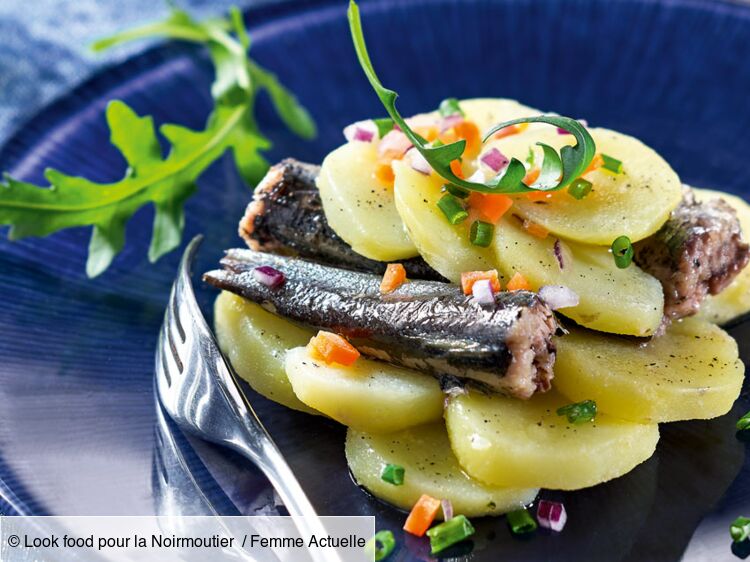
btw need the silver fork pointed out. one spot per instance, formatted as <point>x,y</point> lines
<point>199,390</point>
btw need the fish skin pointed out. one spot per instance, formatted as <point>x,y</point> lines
<point>425,325</point>
<point>286,216</point>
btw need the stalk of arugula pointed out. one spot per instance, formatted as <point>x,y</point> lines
<point>557,171</point>
<point>71,201</point>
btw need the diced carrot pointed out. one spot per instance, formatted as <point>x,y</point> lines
<point>518,283</point>
<point>468,131</point>
<point>394,277</point>
<point>511,130</point>
<point>448,137</point>
<point>490,207</point>
<point>456,168</point>
<point>332,348</point>
<point>468,278</point>
<point>428,133</point>
<point>422,515</point>
<point>535,229</point>
<point>531,176</point>
<point>384,173</point>
<point>597,162</point>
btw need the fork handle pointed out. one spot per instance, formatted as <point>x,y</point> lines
<point>278,472</point>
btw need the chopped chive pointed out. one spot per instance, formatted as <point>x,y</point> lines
<point>382,544</point>
<point>449,107</point>
<point>740,529</point>
<point>622,250</point>
<point>449,533</point>
<point>481,233</point>
<point>580,188</point>
<point>744,422</point>
<point>521,522</point>
<point>384,125</point>
<point>611,164</point>
<point>452,209</point>
<point>393,474</point>
<point>455,190</point>
<point>579,412</point>
<point>436,143</point>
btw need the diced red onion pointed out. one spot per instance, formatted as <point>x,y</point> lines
<point>562,254</point>
<point>394,143</point>
<point>418,162</point>
<point>494,159</point>
<point>419,121</point>
<point>269,276</point>
<point>447,509</point>
<point>558,296</point>
<point>477,177</point>
<point>551,515</point>
<point>364,131</point>
<point>482,292</point>
<point>450,121</point>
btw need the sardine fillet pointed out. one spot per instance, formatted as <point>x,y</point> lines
<point>698,251</point>
<point>425,325</point>
<point>286,217</point>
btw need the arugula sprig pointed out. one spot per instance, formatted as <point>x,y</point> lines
<point>557,171</point>
<point>166,182</point>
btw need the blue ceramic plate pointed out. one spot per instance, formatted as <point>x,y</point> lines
<point>80,432</point>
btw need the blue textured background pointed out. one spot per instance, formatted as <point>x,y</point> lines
<point>44,48</point>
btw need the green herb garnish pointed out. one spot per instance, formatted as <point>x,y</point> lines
<point>521,522</point>
<point>384,125</point>
<point>450,107</point>
<point>557,171</point>
<point>622,250</point>
<point>456,191</point>
<point>393,474</point>
<point>740,529</point>
<point>611,164</point>
<point>151,178</point>
<point>481,233</point>
<point>580,188</point>
<point>381,545</point>
<point>743,423</point>
<point>579,412</point>
<point>530,158</point>
<point>452,208</point>
<point>449,533</point>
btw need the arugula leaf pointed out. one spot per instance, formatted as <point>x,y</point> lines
<point>450,106</point>
<point>166,182</point>
<point>384,125</point>
<point>572,161</point>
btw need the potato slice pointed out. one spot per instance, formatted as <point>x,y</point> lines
<point>691,372</point>
<point>622,301</point>
<point>255,342</point>
<point>360,208</point>
<point>369,395</point>
<point>487,112</point>
<point>430,468</point>
<point>735,299</point>
<point>508,442</point>
<point>445,247</point>
<point>634,203</point>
